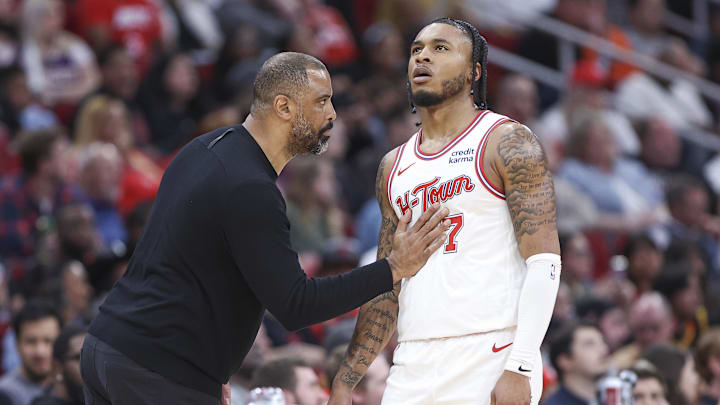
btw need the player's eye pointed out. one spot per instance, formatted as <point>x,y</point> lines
<point>441,48</point>
<point>415,50</point>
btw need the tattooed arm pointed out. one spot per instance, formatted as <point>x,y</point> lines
<point>518,160</point>
<point>378,318</point>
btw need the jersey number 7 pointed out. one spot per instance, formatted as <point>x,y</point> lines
<point>456,224</point>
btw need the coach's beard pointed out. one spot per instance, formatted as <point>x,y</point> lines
<point>303,139</point>
<point>450,88</point>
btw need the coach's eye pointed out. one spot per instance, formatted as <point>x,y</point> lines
<point>323,101</point>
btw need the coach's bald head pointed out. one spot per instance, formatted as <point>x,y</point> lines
<point>291,94</point>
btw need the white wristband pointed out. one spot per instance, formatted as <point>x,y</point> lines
<point>535,308</point>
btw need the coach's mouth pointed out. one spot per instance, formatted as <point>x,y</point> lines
<point>421,74</point>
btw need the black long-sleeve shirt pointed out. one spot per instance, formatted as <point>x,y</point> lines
<point>214,255</point>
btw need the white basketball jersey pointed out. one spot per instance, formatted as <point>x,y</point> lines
<point>472,283</point>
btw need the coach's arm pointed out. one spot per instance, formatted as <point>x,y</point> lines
<point>517,161</point>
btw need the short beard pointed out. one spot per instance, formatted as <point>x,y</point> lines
<point>450,88</point>
<point>303,140</point>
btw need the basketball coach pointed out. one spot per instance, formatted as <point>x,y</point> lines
<point>216,253</point>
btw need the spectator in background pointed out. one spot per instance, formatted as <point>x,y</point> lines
<point>646,29</point>
<point>106,119</point>
<point>662,149</point>
<point>67,389</point>
<point>587,91</point>
<point>677,368</point>
<point>298,381</point>
<point>683,290</point>
<point>651,322</point>
<point>689,203</point>
<point>577,259</point>
<point>100,178</point>
<point>707,363</point>
<point>610,318</point>
<point>643,95</point>
<point>31,199</point>
<point>579,354</point>
<point>120,80</point>
<point>60,66</point>
<point>241,381</point>
<point>649,388</point>
<point>517,98</point>
<point>19,109</point>
<point>322,31</point>
<point>76,294</point>
<point>36,327</point>
<point>193,27</point>
<point>369,390</point>
<point>616,185</point>
<point>169,97</point>
<point>312,204</point>
<point>645,261</point>
<point>133,23</point>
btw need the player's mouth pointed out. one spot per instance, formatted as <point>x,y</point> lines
<point>421,75</point>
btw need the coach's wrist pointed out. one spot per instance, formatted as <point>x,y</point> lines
<point>394,268</point>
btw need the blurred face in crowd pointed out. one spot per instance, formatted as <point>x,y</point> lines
<point>387,56</point>
<point>372,386</point>
<point>308,390</point>
<point>586,14</point>
<point>564,305</point>
<point>315,115</point>
<point>324,186</point>
<point>686,302</point>
<point>651,322</point>
<point>114,126</point>
<point>614,325</point>
<point>649,391</point>
<point>76,231</point>
<point>661,146</point>
<point>101,174</point>
<point>647,16</point>
<point>76,288</point>
<point>181,79</point>
<point>518,99</point>
<point>589,354</point>
<point>599,149</point>
<point>439,65</point>
<point>71,370</point>
<point>18,92</point>
<point>120,75</point>
<point>578,258</point>
<point>34,343</point>
<point>645,263</point>
<point>693,209</point>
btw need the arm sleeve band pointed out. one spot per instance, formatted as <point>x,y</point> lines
<point>537,301</point>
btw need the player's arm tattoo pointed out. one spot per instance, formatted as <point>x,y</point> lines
<point>529,190</point>
<point>378,318</point>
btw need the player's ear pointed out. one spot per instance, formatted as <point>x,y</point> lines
<point>478,71</point>
<point>284,107</point>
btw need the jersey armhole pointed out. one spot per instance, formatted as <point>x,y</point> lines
<point>388,185</point>
<point>479,158</point>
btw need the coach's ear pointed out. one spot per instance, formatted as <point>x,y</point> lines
<point>284,107</point>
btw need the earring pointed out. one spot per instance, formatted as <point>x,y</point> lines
<point>414,110</point>
<point>472,92</point>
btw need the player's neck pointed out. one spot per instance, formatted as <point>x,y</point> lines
<point>271,139</point>
<point>446,120</point>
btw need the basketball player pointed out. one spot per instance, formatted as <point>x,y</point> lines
<point>471,322</point>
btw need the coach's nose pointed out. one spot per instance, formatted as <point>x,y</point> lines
<point>332,114</point>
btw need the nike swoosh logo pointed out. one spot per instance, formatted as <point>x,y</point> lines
<point>497,349</point>
<point>403,170</point>
<point>522,370</point>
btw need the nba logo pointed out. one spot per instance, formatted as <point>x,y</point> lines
<point>552,272</point>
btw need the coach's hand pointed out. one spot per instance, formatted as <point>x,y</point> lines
<point>226,394</point>
<point>412,247</point>
<point>511,389</point>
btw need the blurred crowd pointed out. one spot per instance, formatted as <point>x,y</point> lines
<point>96,97</point>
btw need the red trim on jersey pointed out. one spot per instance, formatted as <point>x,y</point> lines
<point>430,156</point>
<point>392,172</point>
<point>489,186</point>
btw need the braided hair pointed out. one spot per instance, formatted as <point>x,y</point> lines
<point>479,55</point>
